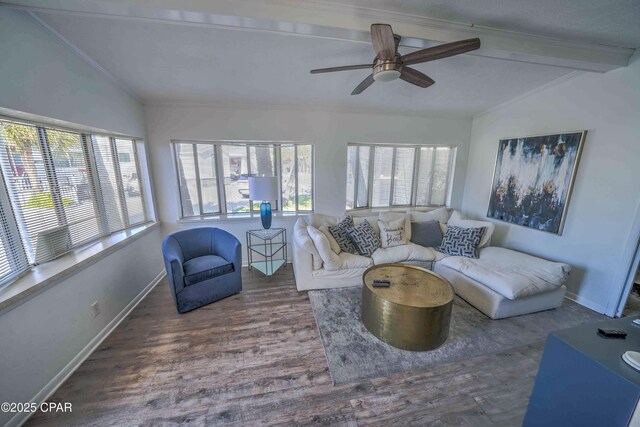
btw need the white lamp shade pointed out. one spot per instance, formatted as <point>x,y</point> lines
<point>264,188</point>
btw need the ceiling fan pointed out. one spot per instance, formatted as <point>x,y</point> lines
<point>389,65</point>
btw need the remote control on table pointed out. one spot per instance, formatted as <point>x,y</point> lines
<point>381,283</point>
<point>612,333</point>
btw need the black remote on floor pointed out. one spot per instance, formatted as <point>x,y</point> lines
<point>612,333</point>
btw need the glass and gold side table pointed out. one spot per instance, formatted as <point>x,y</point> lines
<point>267,250</point>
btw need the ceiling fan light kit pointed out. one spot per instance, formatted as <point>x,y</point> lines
<point>386,71</point>
<point>388,65</point>
<point>386,75</point>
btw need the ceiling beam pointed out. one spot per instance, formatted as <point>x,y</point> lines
<point>330,20</point>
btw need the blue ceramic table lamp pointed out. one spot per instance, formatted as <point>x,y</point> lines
<point>264,189</point>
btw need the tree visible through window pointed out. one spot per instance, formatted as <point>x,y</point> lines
<point>213,178</point>
<point>61,189</point>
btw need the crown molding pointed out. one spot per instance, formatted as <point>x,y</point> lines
<point>302,107</point>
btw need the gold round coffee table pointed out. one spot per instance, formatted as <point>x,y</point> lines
<point>413,313</point>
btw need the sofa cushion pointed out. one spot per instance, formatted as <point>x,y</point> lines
<point>440,214</point>
<point>354,261</point>
<point>426,233</point>
<point>330,259</point>
<point>437,255</point>
<point>335,247</point>
<point>510,273</point>
<point>460,241</point>
<point>458,220</point>
<point>408,252</point>
<point>393,232</point>
<point>301,236</point>
<point>339,232</point>
<point>352,276</point>
<point>390,216</point>
<point>204,268</point>
<point>364,239</point>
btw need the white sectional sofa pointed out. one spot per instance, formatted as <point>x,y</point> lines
<point>500,283</point>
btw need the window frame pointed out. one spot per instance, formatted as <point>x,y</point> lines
<point>415,174</point>
<point>219,173</point>
<point>9,223</point>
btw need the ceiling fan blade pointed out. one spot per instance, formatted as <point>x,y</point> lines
<point>363,85</point>
<point>343,68</point>
<point>415,77</point>
<point>383,41</point>
<point>443,51</point>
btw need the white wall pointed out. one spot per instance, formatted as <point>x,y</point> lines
<point>42,335</point>
<point>329,131</point>
<point>41,76</point>
<point>600,220</point>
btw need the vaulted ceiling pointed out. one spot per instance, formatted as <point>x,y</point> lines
<point>224,52</point>
<point>610,22</point>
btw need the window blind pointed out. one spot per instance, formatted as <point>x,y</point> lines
<point>399,175</point>
<point>13,259</point>
<point>52,210</point>
<point>118,182</point>
<point>131,184</point>
<point>362,192</point>
<point>213,177</point>
<point>403,175</point>
<point>61,189</point>
<point>72,186</point>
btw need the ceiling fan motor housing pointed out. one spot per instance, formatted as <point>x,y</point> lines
<point>386,71</point>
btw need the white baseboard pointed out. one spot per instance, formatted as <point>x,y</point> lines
<point>599,308</point>
<point>46,392</point>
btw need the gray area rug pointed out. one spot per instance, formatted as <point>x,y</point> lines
<point>354,354</point>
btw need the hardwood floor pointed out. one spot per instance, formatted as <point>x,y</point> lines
<point>256,359</point>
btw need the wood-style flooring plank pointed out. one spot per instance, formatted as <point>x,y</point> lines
<point>256,359</point>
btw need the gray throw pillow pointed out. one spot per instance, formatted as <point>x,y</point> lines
<point>460,241</point>
<point>364,238</point>
<point>426,233</point>
<point>339,232</point>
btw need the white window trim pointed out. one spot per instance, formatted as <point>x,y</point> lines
<point>415,173</point>
<point>7,285</point>
<point>223,215</point>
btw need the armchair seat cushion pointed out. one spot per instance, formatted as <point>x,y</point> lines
<point>204,268</point>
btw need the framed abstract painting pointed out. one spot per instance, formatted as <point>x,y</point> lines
<point>533,179</point>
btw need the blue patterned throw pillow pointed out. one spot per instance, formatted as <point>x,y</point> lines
<point>364,238</point>
<point>339,232</point>
<point>460,241</point>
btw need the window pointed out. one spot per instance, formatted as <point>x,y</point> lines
<point>213,177</point>
<point>60,189</point>
<point>398,175</point>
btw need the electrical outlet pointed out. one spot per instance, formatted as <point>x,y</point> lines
<point>95,307</point>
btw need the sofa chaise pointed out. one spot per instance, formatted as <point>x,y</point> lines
<point>500,282</point>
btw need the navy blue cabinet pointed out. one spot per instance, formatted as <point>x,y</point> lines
<point>583,381</point>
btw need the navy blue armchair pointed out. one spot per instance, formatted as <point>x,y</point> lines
<point>203,265</point>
